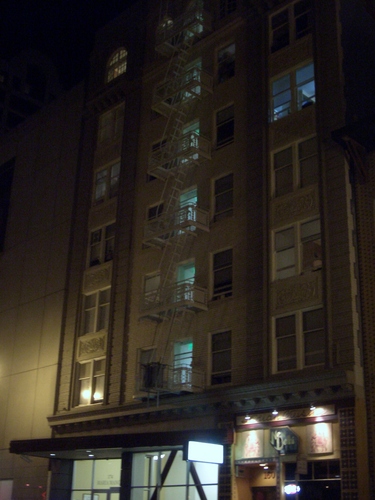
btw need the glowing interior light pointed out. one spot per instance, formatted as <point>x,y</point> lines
<point>291,489</point>
<point>97,395</point>
<point>275,412</point>
<point>85,394</point>
<point>265,467</point>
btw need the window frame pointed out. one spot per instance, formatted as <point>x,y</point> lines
<point>294,104</point>
<point>293,34</point>
<point>228,210</point>
<point>298,248</point>
<point>228,122</point>
<point>300,333</point>
<point>296,165</point>
<point>110,189</point>
<point>92,376</point>
<point>96,308</point>
<point>116,64</point>
<point>227,62</point>
<point>227,7</point>
<point>102,244</point>
<point>228,288</point>
<point>221,373</point>
<point>110,124</point>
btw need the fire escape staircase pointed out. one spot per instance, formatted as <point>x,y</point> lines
<point>173,303</point>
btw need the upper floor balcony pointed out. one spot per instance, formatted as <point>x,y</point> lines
<point>159,230</point>
<point>172,33</point>
<point>181,90</point>
<point>190,149</point>
<point>159,304</point>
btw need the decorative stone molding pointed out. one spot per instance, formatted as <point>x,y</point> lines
<point>92,345</point>
<point>107,153</point>
<point>292,128</point>
<point>290,56</point>
<point>97,277</point>
<point>296,293</point>
<point>103,214</point>
<point>291,208</point>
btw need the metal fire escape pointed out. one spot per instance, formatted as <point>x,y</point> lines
<point>172,304</point>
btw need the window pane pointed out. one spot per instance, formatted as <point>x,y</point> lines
<point>100,185</point>
<point>221,341</point>
<point>313,320</point>
<point>285,326</point>
<point>284,181</point>
<point>223,197</point>
<point>226,63</point>
<point>84,392</point>
<point>114,181</point>
<point>280,30</point>
<point>284,239</point>
<point>305,73</point>
<point>309,171</point>
<point>98,389</point>
<point>225,126</point>
<point>221,361</point>
<point>310,229</point>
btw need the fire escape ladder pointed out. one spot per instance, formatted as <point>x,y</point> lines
<point>173,301</point>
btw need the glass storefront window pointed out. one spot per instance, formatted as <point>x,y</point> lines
<point>95,479</point>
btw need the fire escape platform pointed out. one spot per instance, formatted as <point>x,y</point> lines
<point>181,91</point>
<point>195,24</point>
<point>190,150</point>
<point>158,231</point>
<point>159,305</point>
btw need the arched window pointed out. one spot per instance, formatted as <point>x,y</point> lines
<point>117,64</point>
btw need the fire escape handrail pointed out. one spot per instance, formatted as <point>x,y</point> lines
<point>169,296</point>
<point>166,222</point>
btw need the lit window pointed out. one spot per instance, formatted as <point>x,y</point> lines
<point>111,124</point>
<point>102,242</point>
<point>221,360</point>
<point>117,64</point>
<point>223,191</point>
<point>106,183</point>
<point>96,311</point>
<point>290,24</point>
<point>226,63</point>
<point>295,166</point>
<point>299,340</point>
<point>225,126</point>
<point>292,92</point>
<point>222,274</point>
<point>227,7</point>
<point>90,379</point>
<point>298,249</point>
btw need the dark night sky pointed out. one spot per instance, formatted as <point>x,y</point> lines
<point>62,29</point>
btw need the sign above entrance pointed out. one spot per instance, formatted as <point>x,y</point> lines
<point>284,440</point>
<point>204,452</point>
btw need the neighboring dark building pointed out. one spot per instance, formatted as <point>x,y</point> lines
<point>219,277</point>
<point>28,82</point>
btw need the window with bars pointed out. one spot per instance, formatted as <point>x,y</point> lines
<point>299,340</point>
<point>295,167</point>
<point>290,24</point>
<point>102,244</point>
<point>221,357</point>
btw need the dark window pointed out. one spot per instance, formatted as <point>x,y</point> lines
<point>222,274</point>
<point>227,7</point>
<point>226,59</point>
<point>223,197</point>
<point>225,126</point>
<point>6,178</point>
<point>221,349</point>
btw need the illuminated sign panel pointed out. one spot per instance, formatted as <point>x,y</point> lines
<point>204,452</point>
